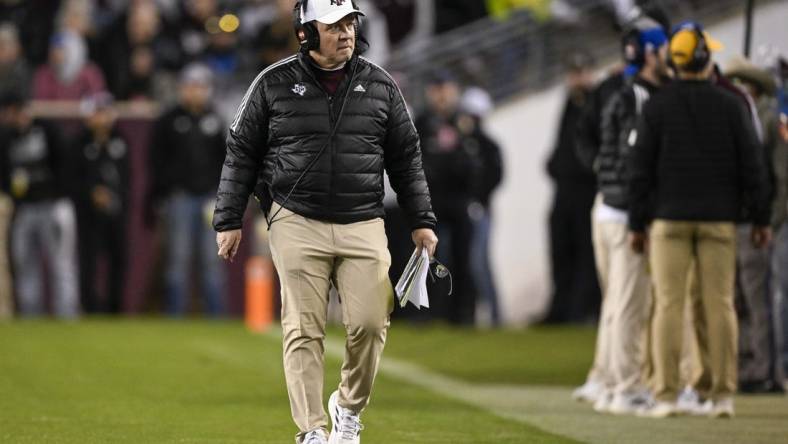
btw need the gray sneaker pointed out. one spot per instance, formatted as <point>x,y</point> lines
<point>345,424</point>
<point>317,436</point>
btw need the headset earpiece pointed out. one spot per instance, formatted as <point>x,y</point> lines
<point>633,51</point>
<point>306,33</point>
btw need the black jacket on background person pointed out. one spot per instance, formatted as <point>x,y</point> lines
<point>589,131</point>
<point>283,123</point>
<point>619,132</point>
<point>696,159</point>
<point>105,165</point>
<point>187,152</point>
<point>35,168</point>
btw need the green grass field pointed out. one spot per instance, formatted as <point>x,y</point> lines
<point>141,381</point>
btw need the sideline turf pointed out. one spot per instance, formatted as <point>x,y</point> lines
<point>194,382</point>
<point>541,355</point>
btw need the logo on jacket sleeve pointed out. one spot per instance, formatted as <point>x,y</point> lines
<point>299,88</point>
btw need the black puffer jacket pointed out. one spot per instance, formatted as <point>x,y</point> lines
<point>619,134</point>
<point>286,118</point>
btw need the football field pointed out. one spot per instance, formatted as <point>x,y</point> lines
<point>152,381</point>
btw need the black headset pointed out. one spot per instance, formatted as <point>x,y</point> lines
<point>700,55</point>
<point>307,34</point>
<point>632,50</point>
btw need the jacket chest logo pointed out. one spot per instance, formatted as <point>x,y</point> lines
<point>337,2</point>
<point>299,88</point>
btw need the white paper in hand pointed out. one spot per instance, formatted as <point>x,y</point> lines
<point>412,285</point>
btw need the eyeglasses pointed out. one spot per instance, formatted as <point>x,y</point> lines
<point>441,271</point>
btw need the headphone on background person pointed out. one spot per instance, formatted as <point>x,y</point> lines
<point>632,50</point>
<point>307,34</point>
<point>700,55</point>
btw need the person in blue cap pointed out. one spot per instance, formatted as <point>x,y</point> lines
<point>623,272</point>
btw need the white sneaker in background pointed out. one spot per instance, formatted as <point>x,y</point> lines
<point>346,425</point>
<point>603,401</point>
<point>688,402</point>
<point>317,436</point>
<point>722,408</point>
<point>658,410</point>
<point>588,392</point>
<point>629,403</point>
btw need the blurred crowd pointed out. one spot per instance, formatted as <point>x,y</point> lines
<point>113,116</point>
<point>671,188</point>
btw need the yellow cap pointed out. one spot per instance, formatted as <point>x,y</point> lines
<point>684,42</point>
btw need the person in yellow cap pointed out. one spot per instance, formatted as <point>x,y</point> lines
<point>694,167</point>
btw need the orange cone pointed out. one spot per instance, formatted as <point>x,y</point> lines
<point>259,294</point>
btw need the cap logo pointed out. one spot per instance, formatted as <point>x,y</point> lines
<point>338,2</point>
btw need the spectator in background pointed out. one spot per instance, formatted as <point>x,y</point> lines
<point>452,170</point>
<point>476,104</point>
<point>187,153</point>
<point>14,70</point>
<point>760,366</point>
<point>102,204</point>
<point>575,286</point>
<point>623,273</point>
<point>76,16</point>
<point>276,40</point>
<point>68,75</point>
<point>695,164</point>
<point>44,222</point>
<point>192,35</point>
<point>781,254</point>
<point>6,215</point>
<point>134,49</point>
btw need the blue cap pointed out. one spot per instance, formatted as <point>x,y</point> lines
<point>654,37</point>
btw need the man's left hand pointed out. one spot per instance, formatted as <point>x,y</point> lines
<point>638,240</point>
<point>425,238</point>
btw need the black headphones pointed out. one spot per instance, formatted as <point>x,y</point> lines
<point>306,33</point>
<point>631,49</point>
<point>701,55</point>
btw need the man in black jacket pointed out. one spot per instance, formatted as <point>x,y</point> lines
<point>36,175</point>
<point>311,139</point>
<point>102,203</point>
<point>575,287</point>
<point>695,165</point>
<point>186,159</point>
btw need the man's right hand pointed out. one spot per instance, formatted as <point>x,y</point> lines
<point>228,242</point>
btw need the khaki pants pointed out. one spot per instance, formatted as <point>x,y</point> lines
<point>621,342</point>
<point>694,363</point>
<point>6,289</point>
<point>309,256</point>
<point>674,245</point>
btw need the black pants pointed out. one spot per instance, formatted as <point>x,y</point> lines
<point>455,234</point>
<point>102,236</point>
<point>576,294</point>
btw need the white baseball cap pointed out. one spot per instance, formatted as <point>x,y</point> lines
<point>327,11</point>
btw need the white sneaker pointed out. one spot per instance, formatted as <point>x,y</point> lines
<point>588,392</point>
<point>317,436</point>
<point>658,409</point>
<point>346,424</point>
<point>603,401</point>
<point>629,403</point>
<point>688,402</point>
<point>722,408</point>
